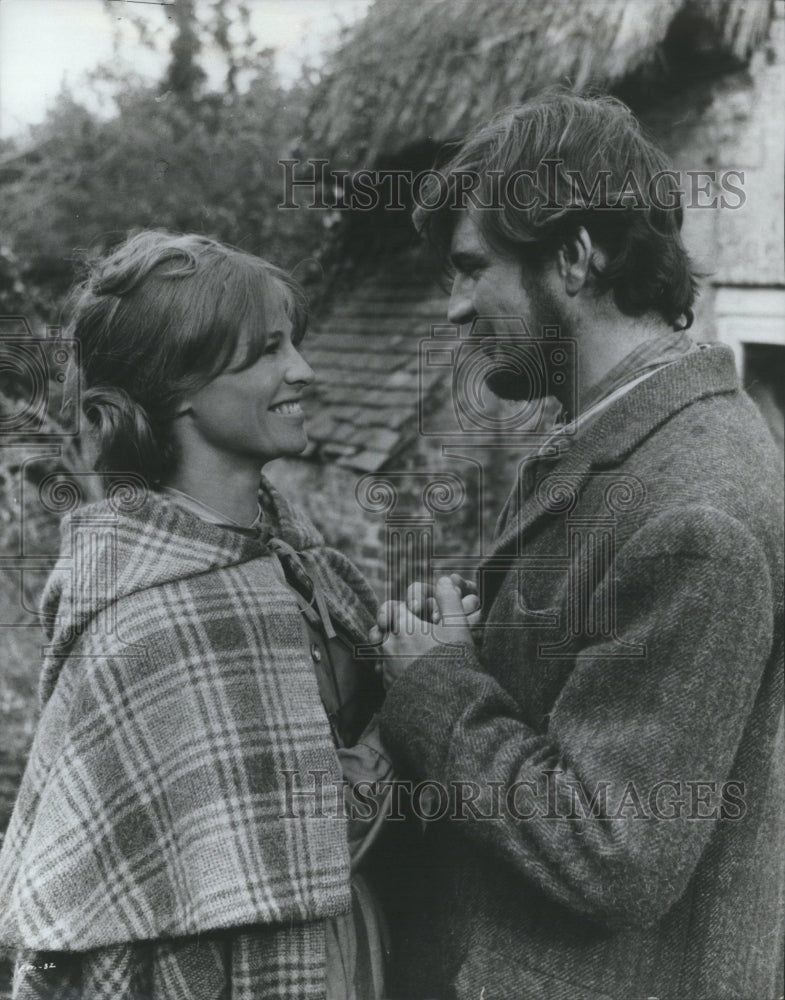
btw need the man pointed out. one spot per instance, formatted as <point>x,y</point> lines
<point>609,735</point>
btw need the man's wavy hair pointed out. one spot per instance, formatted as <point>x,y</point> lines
<point>559,137</point>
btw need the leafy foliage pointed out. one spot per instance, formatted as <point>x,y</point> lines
<point>172,155</point>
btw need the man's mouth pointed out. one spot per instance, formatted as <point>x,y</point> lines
<point>289,408</point>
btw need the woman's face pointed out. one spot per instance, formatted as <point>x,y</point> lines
<point>255,414</point>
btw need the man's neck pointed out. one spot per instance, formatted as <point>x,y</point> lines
<point>601,346</point>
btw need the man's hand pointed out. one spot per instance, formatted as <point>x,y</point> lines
<point>405,637</point>
<point>420,599</point>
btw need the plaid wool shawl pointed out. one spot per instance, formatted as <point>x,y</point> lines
<point>176,690</point>
<point>261,963</point>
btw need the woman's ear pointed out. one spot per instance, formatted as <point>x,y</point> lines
<point>573,260</point>
<point>183,407</point>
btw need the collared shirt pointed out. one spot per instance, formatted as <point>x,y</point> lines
<point>642,361</point>
<point>212,516</point>
<point>650,354</point>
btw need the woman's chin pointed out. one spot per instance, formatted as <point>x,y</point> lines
<point>290,450</point>
<point>303,444</point>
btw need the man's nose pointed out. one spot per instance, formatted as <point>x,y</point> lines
<point>461,306</point>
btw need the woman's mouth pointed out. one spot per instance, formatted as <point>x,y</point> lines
<point>289,408</point>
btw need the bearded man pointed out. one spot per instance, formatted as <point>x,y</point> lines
<point>610,732</point>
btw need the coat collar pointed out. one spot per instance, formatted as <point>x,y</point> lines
<point>622,427</point>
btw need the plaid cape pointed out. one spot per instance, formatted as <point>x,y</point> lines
<point>176,691</point>
<point>263,963</point>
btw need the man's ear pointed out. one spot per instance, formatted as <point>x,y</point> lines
<point>573,260</point>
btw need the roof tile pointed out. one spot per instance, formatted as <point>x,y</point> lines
<point>366,355</point>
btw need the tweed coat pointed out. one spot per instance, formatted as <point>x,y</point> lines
<point>618,727</point>
<point>177,691</point>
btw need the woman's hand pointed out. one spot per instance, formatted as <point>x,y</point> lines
<point>404,636</point>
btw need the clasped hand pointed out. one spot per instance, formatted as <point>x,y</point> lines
<point>430,618</point>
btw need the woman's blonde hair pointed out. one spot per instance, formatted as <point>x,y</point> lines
<point>159,317</point>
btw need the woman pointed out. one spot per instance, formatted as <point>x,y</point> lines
<point>199,672</point>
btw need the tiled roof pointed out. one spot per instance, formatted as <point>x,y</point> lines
<point>364,405</point>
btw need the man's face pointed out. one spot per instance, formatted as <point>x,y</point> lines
<point>489,286</point>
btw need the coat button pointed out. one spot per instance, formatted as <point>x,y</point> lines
<point>316,653</point>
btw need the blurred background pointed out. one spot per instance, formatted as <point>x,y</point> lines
<point>118,115</point>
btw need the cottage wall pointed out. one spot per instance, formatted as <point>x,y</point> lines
<point>737,123</point>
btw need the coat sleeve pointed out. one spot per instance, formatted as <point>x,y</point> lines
<point>589,809</point>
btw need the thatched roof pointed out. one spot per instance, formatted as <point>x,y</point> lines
<point>416,71</point>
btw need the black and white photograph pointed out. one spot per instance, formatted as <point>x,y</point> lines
<point>392,423</point>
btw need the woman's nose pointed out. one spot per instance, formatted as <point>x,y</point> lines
<point>298,369</point>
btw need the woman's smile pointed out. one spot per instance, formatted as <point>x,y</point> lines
<point>289,408</point>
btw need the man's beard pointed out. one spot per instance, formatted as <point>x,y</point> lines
<point>523,373</point>
<point>511,385</point>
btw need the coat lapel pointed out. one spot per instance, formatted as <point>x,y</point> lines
<point>610,439</point>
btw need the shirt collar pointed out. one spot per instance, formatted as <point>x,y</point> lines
<point>634,367</point>
<point>206,513</point>
<point>650,354</point>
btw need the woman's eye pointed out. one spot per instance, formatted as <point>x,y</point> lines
<point>272,346</point>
